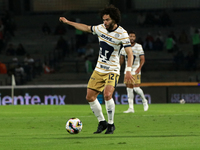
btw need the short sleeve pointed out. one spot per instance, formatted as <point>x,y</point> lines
<point>140,50</point>
<point>94,29</point>
<point>125,39</point>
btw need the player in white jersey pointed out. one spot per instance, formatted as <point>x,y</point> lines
<point>112,38</point>
<point>138,62</point>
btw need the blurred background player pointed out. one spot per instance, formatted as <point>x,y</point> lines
<point>138,62</point>
<point>106,74</point>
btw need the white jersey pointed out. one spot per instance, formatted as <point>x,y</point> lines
<point>110,45</point>
<point>137,52</point>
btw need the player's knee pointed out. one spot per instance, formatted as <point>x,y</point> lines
<point>107,95</point>
<point>90,98</point>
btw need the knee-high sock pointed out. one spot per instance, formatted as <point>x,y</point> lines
<point>97,110</point>
<point>139,91</point>
<point>130,97</point>
<point>110,107</point>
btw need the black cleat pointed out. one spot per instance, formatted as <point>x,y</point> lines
<point>101,127</point>
<point>110,129</point>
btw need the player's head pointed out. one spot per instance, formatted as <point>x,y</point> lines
<point>132,36</point>
<point>111,16</point>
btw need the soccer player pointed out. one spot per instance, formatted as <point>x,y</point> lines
<point>138,62</point>
<point>112,38</point>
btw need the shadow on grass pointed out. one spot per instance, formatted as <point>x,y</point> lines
<point>75,136</point>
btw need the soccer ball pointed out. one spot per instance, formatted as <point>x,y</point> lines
<point>182,101</point>
<point>74,126</point>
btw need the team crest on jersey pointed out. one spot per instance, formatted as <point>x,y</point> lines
<point>116,35</point>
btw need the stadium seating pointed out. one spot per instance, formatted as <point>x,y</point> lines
<point>159,65</point>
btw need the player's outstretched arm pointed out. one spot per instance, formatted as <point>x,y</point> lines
<point>79,26</point>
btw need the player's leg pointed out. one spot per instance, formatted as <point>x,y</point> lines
<point>110,107</point>
<point>140,92</point>
<point>111,83</point>
<point>130,94</point>
<point>94,104</point>
<point>96,109</point>
<point>94,88</point>
<point>129,89</point>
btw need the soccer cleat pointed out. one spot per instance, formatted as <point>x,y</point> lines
<point>130,110</point>
<point>101,127</point>
<point>110,129</point>
<point>146,106</point>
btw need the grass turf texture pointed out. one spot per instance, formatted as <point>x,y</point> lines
<point>41,127</point>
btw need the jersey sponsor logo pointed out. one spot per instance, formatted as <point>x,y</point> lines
<point>107,38</point>
<point>104,67</point>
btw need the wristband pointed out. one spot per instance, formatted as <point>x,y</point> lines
<point>128,68</point>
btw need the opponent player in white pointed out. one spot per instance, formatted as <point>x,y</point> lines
<point>112,38</point>
<point>138,62</point>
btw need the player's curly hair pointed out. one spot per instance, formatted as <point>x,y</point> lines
<point>113,12</point>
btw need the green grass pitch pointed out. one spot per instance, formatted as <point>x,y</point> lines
<point>42,127</point>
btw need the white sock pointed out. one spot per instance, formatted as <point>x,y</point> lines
<point>97,110</point>
<point>139,91</point>
<point>130,97</point>
<point>110,107</point>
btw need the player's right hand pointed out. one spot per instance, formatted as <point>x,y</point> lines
<point>63,19</point>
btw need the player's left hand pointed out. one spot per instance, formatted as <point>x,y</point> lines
<point>138,70</point>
